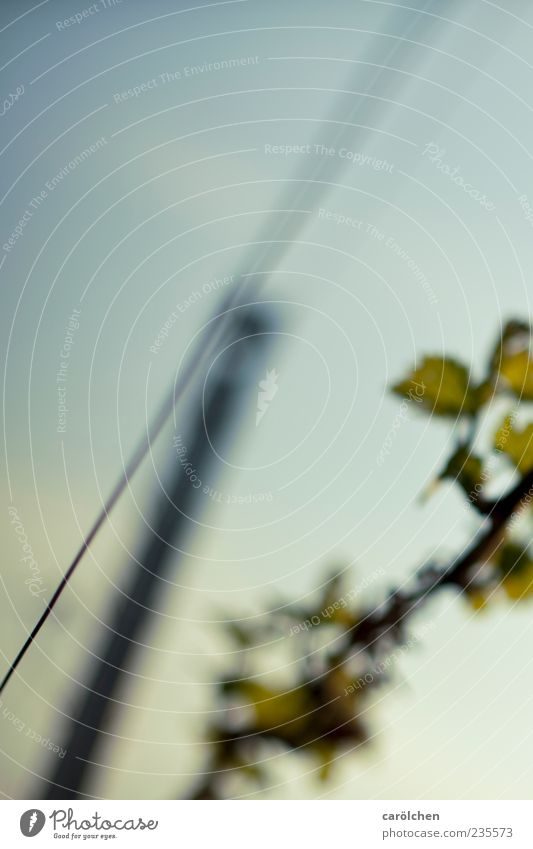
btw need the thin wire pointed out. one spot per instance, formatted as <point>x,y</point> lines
<point>129,471</point>
<point>228,306</point>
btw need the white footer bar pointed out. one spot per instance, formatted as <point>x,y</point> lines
<point>269,825</point>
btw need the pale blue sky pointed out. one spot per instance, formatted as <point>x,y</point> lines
<point>170,202</point>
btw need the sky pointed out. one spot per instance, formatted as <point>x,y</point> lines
<point>155,158</point>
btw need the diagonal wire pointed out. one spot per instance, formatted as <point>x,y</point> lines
<point>284,225</point>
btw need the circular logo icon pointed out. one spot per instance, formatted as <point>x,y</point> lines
<point>32,822</point>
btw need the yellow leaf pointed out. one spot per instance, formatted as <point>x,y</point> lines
<point>441,386</point>
<point>273,707</point>
<point>477,599</point>
<point>516,568</point>
<point>516,444</point>
<point>517,372</point>
<point>467,469</point>
<point>519,587</point>
<point>326,753</point>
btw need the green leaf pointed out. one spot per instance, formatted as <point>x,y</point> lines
<point>517,373</point>
<point>515,336</point>
<point>242,635</point>
<point>272,707</point>
<point>516,444</point>
<point>515,566</point>
<point>334,606</point>
<point>332,589</point>
<point>465,468</point>
<point>477,598</point>
<point>326,753</point>
<point>441,386</point>
<point>483,393</point>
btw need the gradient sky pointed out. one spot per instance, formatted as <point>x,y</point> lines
<point>181,192</point>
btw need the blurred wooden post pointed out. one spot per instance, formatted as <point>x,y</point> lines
<point>134,608</point>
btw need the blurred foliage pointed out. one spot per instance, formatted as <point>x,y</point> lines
<point>319,714</point>
<point>332,647</point>
<point>446,387</point>
<point>516,443</point>
<point>464,467</point>
<point>517,372</point>
<point>513,574</point>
